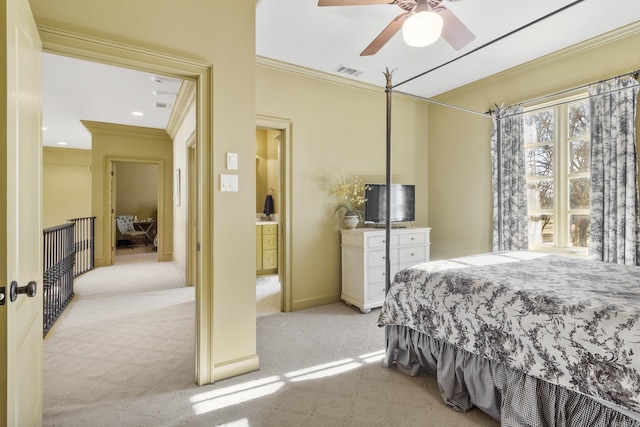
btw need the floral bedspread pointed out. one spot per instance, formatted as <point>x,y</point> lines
<point>567,321</point>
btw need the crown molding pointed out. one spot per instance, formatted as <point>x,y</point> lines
<point>273,64</point>
<point>111,129</point>
<point>185,99</point>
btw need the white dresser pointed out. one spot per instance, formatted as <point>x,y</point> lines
<point>363,261</point>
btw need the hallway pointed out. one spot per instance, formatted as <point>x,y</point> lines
<point>129,334</point>
<point>123,337</point>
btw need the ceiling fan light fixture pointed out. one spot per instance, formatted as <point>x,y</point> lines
<point>422,28</point>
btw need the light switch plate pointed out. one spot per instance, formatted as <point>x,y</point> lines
<point>232,161</point>
<point>228,182</point>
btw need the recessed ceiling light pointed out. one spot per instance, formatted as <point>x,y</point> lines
<point>44,128</point>
<point>137,113</point>
<point>62,143</point>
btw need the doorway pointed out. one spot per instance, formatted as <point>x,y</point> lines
<point>135,194</point>
<point>277,182</point>
<point>268,211</point>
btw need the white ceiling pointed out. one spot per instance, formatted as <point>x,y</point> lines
<point>74,90</point>
<point>324,38</point>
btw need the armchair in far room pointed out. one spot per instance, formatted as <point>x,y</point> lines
<point>125,225</point>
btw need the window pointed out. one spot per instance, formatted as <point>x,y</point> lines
<point>557,155</point>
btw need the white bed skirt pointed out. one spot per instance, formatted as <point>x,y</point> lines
<point>509,396</point>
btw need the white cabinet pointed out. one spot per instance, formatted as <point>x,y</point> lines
<point>363,261</point>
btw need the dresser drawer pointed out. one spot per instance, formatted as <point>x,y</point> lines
<point>380,240</point>
<point>379,257</point>
<point>376,291</point>
<point>377,274</point>
<point>415,254</point>
<point>269,241</point>
<point>270,229</point>
<point>412,238</point>
<point>269,259</point>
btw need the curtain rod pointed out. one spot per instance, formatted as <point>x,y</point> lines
<point>634,74</point>
<point>493,41</point>
<point>443,104</point>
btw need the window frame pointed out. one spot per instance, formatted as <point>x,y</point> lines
<point>561,174</point>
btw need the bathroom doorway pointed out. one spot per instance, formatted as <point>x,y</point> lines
<point>267,220</point>
<point>273,216</point>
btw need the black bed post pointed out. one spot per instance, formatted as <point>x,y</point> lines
<point>387,239</point>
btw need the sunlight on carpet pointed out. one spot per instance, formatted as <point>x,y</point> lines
<point>244,392</point>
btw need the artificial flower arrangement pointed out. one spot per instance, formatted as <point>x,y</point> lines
<point>350,195</point>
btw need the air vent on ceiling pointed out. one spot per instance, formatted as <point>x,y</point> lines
<point>165,105</point>
<point>349,71</point>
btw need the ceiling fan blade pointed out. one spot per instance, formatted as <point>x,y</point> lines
<point>454,31</point>
<point>385,35</point>
<point>352,2</point>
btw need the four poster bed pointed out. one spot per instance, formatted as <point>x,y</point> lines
<point>531,339</point>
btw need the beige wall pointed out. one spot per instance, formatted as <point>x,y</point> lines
<point>114,144</point>
<point>183,135</point>
<point>66,186</point>
<point>460,207</point>
<point>220,33</point>
<point>337,129</point>
<point>137,189</point>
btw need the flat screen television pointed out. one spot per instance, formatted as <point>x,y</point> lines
<point>403,203</point>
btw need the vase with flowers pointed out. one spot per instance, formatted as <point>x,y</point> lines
<point>350,197</point>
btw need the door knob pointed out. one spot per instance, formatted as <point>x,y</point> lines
<point>29,290</point>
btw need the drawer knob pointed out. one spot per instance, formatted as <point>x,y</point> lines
<point>413,254</point>
<point>384,257</point>
<point>413,238</point>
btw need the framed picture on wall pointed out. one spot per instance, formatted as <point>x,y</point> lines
<point>176,187</point>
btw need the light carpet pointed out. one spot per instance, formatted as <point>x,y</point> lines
<point>267,295</point>
<point>124,356</point>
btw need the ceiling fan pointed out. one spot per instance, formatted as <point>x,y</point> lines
<point>436,19</point>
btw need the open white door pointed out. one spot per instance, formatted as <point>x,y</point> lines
<point>20,218</point>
